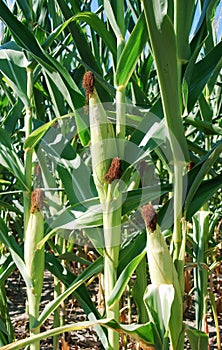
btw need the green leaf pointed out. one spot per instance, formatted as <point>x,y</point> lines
<point>98,25</point>
<point>123,280</point>
<point>26,9</point>
<point>35,137</point>
<point>200,238</point>
<point>23,36</point>
<point>82,44</point>
<point>209,161</point>
<point>198,77</point>
<point>183,18</point>
<point>15,250</point>
<point>142,196</point>
<point>14,114</point>
<point>203,194</point>
<point>79,38</point>
<point>111,17</point>
<point>13,65</point>
<point>145,334</point>
<point>5,138</point>
<point>198,340</point>
<point>131,52</point>
<point>7,206</point>
<point>159,300</point>
<point>53,68</point>
<point>6,269</point>
<point>207,127</point>
<point>130,251</point>
<point>94,269</point>
<point>10,160</point>
<point>163,41</point>
<point>66,277</point>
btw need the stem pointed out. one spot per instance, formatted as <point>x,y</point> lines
<point>59,313</point>
<point>33,316</point>
<point>120,117</point>
<point>139,290</point>
<point>178,197</point>
<point>112,235</point>
<point>28,153</point>
<point>178,233</point>
<point>56,317</point>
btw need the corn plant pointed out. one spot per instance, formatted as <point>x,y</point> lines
<point>107,107</point>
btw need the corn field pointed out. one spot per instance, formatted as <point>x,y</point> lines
<point>111,171</point>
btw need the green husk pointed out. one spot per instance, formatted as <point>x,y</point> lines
<point>162,271</point>
<point>34,260</point>
<point>103,144</point>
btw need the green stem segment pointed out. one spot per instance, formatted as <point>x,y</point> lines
<point>28,152</point>
<point>112,233</point>
<point>178,198</point>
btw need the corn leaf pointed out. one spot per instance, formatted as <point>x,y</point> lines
<point>163,41</point>
<point>27,41</point>
<point>203,194</point>
<point>123,279</point>
<point>131,52</point>
<point>200,238</point>
<point>10,160</point>
<point>112,20</point>
<point>66,277</point>
<point>26,9</point>
<point>146,334</point>
<point>79,37</point>
<point>15,250</point>
<point>207,127</point>
<point>183,21</point>
<point>210,160</point>
<point>5,138</point>
<point>198,77</point>
<point>12,117</point>
<point>91,270</point>
<point>13,65</point>
<point>198,340</point>
<point>6,269</point>
<point>130,251</point>
<point>159,300</point>
<point>99,26</point>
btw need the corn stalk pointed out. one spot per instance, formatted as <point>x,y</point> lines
<point>105,173</point>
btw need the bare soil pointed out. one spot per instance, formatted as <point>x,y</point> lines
<point>84,339</point>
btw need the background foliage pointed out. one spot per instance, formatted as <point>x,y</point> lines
<point>166,62</point>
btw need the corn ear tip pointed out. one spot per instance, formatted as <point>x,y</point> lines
<point>114,171</point>
<point>36,200</point>
<point>150,217</point>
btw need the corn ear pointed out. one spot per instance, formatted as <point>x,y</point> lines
<point>162,271</point>
<point>103,145</point>
<point>34,260</point>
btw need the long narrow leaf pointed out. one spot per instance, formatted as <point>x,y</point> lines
<point>200,74</point>
<point>123,279</point>
<point>27,41</point>
<point>91,270</point>
<point>15,250</point>
<point>162,36</point>
<point>131,52</point>
<point>146,334</point>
